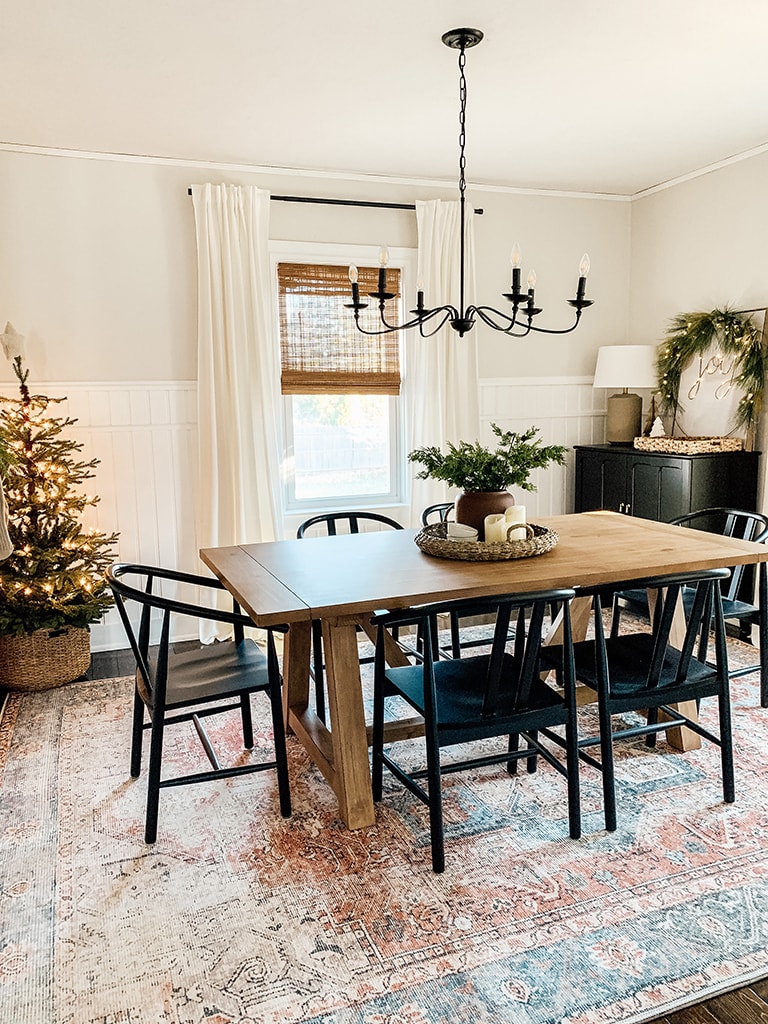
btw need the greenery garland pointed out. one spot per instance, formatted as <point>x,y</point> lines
<point>694,334</point>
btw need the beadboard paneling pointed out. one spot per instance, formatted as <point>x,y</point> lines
<point>567,411</point>
<point>145,437</point>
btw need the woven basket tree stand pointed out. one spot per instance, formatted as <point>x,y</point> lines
<point>44,659</point>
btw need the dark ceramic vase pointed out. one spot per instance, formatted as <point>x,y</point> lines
<point>473,506</point>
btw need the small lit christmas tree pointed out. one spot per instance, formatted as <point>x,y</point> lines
<point>54,577</point>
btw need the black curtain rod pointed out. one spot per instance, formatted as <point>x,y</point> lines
<point>342,202</point>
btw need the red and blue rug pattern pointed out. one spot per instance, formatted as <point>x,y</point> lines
<point>236,916</point>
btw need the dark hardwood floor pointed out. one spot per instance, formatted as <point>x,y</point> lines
<point>747,1005</point>
<point>743,1006</point>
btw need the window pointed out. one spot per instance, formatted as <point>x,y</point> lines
<point>341,388</point>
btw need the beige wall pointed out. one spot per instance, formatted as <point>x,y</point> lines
<point>97,262</point>
<point>699,245</point>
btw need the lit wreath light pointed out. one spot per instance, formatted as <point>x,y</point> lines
<point>694,334</point>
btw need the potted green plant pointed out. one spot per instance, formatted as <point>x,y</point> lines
<point>485,474</point>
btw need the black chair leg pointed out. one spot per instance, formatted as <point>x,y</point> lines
<point>513,746</point>
<point>245,712</point>
<point>606,758</point>
<point>434,786</point>
<point>652,719</point>
<point>153,781</point>
<point>574,795</point>
<point>137,736</point>
<point>377,744</point>
<point>726,748</point>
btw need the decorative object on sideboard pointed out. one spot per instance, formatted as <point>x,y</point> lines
<point>625,366</point>
<point>727,351</point>
<point>52,584</point>
<point>689,445</point>
<point>484,474</point>
<point>461,318</point>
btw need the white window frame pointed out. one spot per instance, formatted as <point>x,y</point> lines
<point>342,255</point>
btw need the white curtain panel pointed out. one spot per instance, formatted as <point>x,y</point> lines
<point>442,377</point>
<point>238,377</point>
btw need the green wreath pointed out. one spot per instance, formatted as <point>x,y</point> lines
<point>693,334</point>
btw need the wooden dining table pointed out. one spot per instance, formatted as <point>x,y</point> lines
<point>342,580</point>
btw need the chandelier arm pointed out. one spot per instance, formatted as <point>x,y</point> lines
<point>488,313</point>
<point>449,314</point>
<point>564,330</point>
<point>417,321</point>
<point>422,316</point>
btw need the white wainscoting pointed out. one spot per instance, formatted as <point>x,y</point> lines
<point>567,410</point>
<point>144,434</point>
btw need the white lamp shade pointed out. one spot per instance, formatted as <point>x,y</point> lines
<point>626,366</point>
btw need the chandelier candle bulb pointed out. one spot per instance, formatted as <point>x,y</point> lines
<point>353,282</point>
<point>515,258</point>
<point>383,261</point>
<point>583,271</point>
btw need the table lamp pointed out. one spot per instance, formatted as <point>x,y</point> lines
<point>625,366</point>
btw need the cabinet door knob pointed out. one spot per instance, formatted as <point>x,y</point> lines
<point>628,509</point>
<point>621,506</point>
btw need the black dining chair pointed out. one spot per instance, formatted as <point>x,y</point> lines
<point>437,513</point>
<point>327,524</point>
<point>654,672</point>
<point>496,694</point>
<point>728,522</point>
<point>173,687</point>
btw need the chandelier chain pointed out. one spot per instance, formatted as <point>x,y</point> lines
<point>517,322</point>
<point>462,121</point>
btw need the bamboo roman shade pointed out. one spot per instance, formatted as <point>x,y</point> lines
<point>321,352</point>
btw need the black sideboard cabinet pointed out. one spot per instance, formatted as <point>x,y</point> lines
<point>656,485</point>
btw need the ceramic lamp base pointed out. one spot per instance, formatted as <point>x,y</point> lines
<point>623,420</point>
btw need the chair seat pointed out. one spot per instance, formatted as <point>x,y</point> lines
<point>215,671</point>
<point>460,692</point>
<point>732,609</point>
<point>629,661</point>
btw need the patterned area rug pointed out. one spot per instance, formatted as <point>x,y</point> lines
<point>236,916</point>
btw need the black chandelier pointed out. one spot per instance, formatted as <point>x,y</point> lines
<point>462,319</point>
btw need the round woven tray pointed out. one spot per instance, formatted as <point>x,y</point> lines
<point>433,540</point>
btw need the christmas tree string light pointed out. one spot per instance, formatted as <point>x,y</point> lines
<point>54,577</point>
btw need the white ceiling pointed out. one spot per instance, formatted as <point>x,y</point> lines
<point>608,96</point>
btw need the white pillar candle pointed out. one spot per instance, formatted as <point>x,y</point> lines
<point>515,514</point>
<point>495,528</point>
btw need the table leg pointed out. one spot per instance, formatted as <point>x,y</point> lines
<point>341,752</point>
<point>347,714</point>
